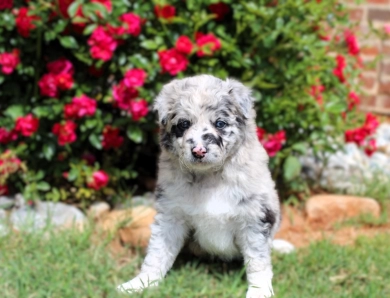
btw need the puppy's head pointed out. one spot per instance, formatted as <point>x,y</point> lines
<point>203,119</point>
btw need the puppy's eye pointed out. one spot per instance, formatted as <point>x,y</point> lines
<point>220,124</point>
<point>184,124</point>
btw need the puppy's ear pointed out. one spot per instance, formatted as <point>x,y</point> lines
<point>241,95</point>
<point>163,103</point>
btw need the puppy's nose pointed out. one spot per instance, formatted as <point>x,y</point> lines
<point>199,151</point>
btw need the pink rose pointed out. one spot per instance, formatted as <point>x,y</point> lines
<point>132,23</point>
<point>138,109</point>
<point>48,85</point>
<point>135,77</point>
<point>7,136</point>
<point>184,45</point>
<point>98,180</point>
<point>60,66</point>
<point>80,106</point>
<point>207,44</point>
<point>352,44</point>
<point>123,95</point>
<point>6,4</point>
<point>172,61</point>
<point>26,125</point>
<point>9,61</point>
<point>340,66</point>
<point>65,132</point>
<point>102,44</point>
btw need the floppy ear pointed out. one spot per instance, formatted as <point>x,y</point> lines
<point>164,102</point>
<point>241,95</point>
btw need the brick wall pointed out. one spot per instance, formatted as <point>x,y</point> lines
<point>376,77</point>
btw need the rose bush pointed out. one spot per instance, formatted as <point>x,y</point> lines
<point>77,79</point>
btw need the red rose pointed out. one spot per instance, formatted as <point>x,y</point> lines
<point>184,45</point>
<point>207,44</point>
<point>102,44</point>
<point>4,190</point>
<point>123,95</point>
<point>9,61</point>
<point>260,133</point>
<point>356,135</point>
<point>64,81</point>
<point>370,147</point>
<point>132,23</point>
<point>138,109</point>
<point>371,123</point>
<point>48,85</point>
<point>80,106</point>
<point>352,44</point>
<point>220,9</point>
<point>135,77</point>
<point>172,61</point>
<point>24,22</point>
<point>111,137</point>
<point>98,180</point>
<point>65,132</point>
<point>272,143</point>
<point>26,125</point>
<point>339,70</point>
<point>6,4</point>
<point>63,6</point>
<point>353,100</point>
<point>60,66</point>
<point>165,12</point>
<point>7,136</point>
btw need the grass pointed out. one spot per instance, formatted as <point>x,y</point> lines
<point>67,264</point>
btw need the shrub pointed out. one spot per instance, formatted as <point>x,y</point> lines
<point>77,79</point>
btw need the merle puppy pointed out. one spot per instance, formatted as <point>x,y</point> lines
<point>213,182</point>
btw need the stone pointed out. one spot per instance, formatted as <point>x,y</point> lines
<point>6,202</point>
<point>98,210</point>
<point>132,225</point>
<point>45,214</point>
<point>329,209</point>
<point>4,227</point>
<point>282,246</point>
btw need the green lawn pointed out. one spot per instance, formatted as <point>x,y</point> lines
<point>66,264</point>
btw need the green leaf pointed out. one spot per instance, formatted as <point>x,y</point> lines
<point>49,150</point>
<point>42,185</point>
<point>335,107</point>
<point>300,147</point>
<point>291,168</point>
<point>73,174</point>
<point>89,29</point>
<point>72,9</point>
<point>134,133</point>
<point>69,42</point>
<point>94,140</point>
<point>14,111</point>
<point>149,44</point>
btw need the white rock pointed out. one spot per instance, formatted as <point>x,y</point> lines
<point>4,227</point>
<point>46,214</point>
<point>6,202</point>
<point>282,246</point>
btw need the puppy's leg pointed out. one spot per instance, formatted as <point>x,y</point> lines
<point>255,246</point>
<point>168,235</point>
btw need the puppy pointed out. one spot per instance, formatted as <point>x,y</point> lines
<point>213,182</point>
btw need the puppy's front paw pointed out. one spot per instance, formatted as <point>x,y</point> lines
<point>259,292</point>
<point>138,284</point>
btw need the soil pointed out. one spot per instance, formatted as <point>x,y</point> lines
<point>296,229</point>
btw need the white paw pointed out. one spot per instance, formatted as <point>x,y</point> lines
<point>138,284</point>
<point>259,292</point>
<point>282,246</point>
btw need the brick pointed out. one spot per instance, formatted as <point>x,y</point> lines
<point>378,1</point>
<point>368,100</point>
<point>385,68</point>
<point>370,50</point>
<point>384,101</point>
<point>369,81</point>
<point>356,14</point>
<point>379,15</point>
<point>384,87</point>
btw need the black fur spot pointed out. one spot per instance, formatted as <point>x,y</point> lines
<point>159,192</point>
<point>164,121</point>
<point>269,217</point>
<point>209,138</point>
<point>166,140</point>
<point>177,131</point>
<point>224,113</point>
<point>240,121</point>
